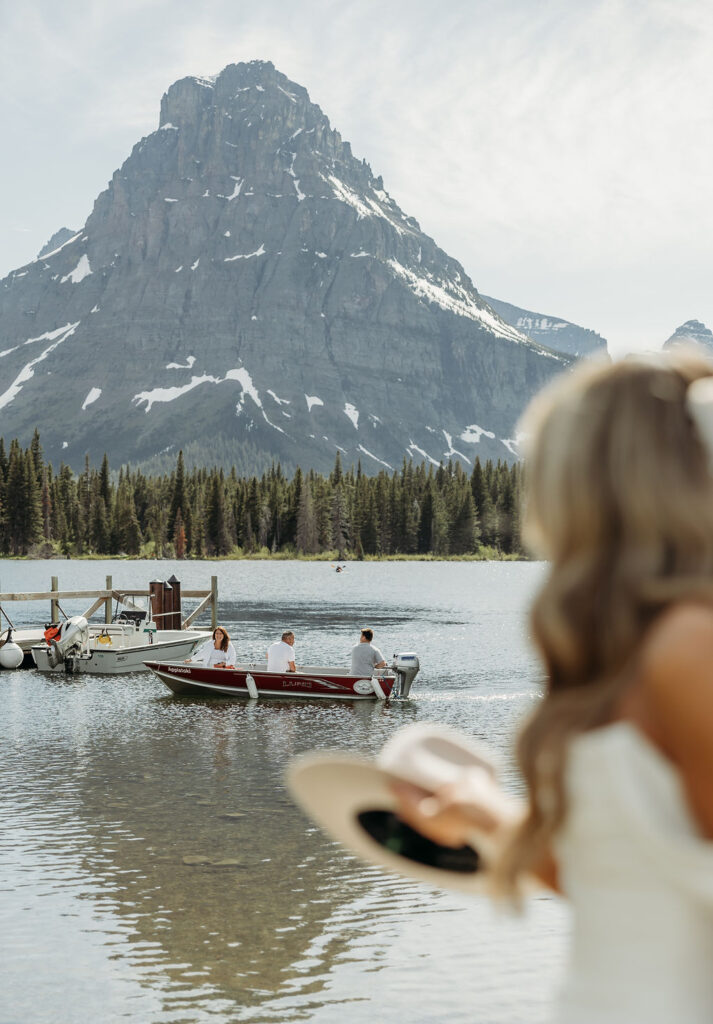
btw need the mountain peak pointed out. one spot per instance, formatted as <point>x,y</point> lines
<point>58,239</point>
<point>246,289</point>
<point>692,332</point>
<point>242,87</point>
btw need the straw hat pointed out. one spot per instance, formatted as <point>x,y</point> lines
<point>352,800</point>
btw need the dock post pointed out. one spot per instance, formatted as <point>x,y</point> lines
<point>167,599</point>
<point>54,604</point>
<point>107,603</point>
<point>176,621</point>
<point>156,601</point>
<point>213,601</point>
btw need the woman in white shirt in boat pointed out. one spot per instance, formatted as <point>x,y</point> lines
<point>216,653</point>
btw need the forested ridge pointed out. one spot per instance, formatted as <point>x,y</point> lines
<point>439,511</point>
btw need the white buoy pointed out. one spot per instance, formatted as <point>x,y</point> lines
<point>11,655</point>
<point>252,686</point>
<point>376,686</point>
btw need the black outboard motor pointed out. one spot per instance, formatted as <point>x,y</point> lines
<point>406,667</point>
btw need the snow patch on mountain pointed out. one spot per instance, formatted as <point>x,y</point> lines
<point>513,445</point>
<point>28,371</point>
<point>353,413</point>
<point>171,394</point>
<point>280,401</point>
<point>243,378</point>
<point>415,448</point>
<point>91,397</point>
<point>190,360</point>
<point>346,195</point>
<point>361,448</point>
<point>246,255</point>
<point>240,375</point>
<point>451,450</point>
<point>81,271</point>
<point>312,400</point>
<point>295,179</point>
<point>239,182</point>
<point>473,433</point>
<point>451,296</point>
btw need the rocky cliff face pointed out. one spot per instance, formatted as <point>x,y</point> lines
<point>693,332</point>
<point>58,239</point>
<point>552,331</point>
<point>246,289</point>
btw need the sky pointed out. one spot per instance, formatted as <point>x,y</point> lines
<point>561,150</point>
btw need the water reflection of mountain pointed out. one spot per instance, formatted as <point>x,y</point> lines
<point>193,842</point>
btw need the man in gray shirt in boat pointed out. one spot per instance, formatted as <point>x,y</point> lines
<point>365,657</point>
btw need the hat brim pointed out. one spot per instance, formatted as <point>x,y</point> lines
<point>334,790</point>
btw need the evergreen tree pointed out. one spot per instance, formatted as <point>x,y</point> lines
<point>370,529</point>
<point>484,504</point>
<point>128,530</point>
<point>425,525</point>
<point>178,496</point>
<point>306,535</point>
<point>46,492</point>
<point>506,515</point>
<point>464,531</point>
<point>99,535</point>
<point>216,533</point>
<point>38,459</point>
<point>439,524</point>
<point>179,536</point>
<point>31,515</point>
<point>336,477</point>
<point>15,499</point>
<point>340,521</point>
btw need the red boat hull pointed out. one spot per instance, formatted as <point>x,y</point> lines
<point>245,681</point>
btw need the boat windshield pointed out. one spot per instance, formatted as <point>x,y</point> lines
<point>131,609</point>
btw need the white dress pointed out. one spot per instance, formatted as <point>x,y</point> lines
<point>640,881</point>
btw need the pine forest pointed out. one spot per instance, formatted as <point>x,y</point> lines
<point>438,512</point>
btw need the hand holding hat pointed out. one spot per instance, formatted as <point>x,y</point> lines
<point>428,806</point>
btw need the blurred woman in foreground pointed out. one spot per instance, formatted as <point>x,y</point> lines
<point>618,756</point>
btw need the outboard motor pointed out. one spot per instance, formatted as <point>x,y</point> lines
<point>73,635</point>
<point>11,654</point>
<point>406,667</point>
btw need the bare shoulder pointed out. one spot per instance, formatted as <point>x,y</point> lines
<point>676,677</point>
<point>681,639</point>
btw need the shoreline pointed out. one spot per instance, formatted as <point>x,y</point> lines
<point>488,555</point>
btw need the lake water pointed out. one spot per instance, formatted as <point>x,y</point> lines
<point>109,783</point>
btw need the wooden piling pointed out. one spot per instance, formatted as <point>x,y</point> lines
<point>107,603</point>
<point>175,620</point>
<point>54,603</point>
<point>167,605</point>
<point>213,602</point>
<point>156,599</point>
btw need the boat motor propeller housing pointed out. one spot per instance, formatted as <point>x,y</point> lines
<point>73,635</point>
<point>406,667</point>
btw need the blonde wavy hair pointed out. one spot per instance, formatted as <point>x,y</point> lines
<point>619,500</point>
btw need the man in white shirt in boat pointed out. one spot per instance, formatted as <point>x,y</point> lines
<point>281,654</point>
<point>366,657</point>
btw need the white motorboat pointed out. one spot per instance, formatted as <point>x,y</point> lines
<point>121,646</point>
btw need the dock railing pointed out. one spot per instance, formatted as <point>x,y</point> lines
<point>207,599</point>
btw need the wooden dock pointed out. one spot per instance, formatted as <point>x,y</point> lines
<point>164,597</point>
